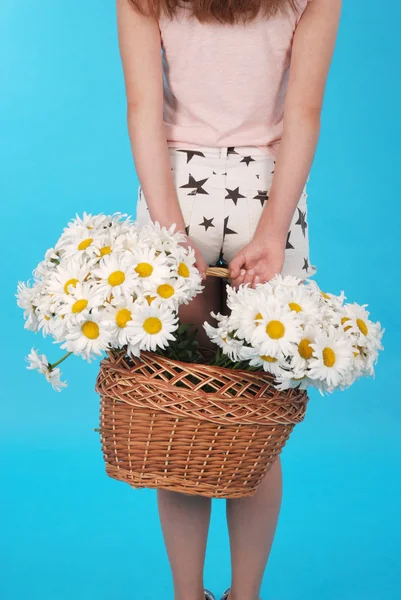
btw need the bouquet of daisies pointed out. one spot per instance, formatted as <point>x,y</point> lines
<point>108,283</point>
<point>301,335</point>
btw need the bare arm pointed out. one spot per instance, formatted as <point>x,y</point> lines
<point>140,49</point>
<point>312,51</point>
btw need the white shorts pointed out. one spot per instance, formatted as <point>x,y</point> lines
<point>222,192</point>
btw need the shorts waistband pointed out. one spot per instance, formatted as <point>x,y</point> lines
<point>222,151</point>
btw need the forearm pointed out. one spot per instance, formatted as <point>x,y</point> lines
<point>152,163</point>
<point>294,161</point>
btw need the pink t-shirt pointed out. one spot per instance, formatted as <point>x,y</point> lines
<point>224,85</point>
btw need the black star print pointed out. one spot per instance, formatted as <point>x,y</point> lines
<point>302,221</point>
<point>192,153</point>
<point>207,223</point>
<point>247,160</point>
<point>306,265</point>
<point>197,185</point>
<point>288,245</point>
<point>227,231</point>
<point>257,176</point>
<point>234,195</point>
<point>262,196</point>
<point>231,150</point>
<point>187,229</point>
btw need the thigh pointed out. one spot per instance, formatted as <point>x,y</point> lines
<point>198,310</point>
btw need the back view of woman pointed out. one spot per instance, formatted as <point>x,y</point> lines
<point>224,100</point>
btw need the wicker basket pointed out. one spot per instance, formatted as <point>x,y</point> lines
<point>192,428</point>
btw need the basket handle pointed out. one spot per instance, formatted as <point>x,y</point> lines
<point>218,272</point>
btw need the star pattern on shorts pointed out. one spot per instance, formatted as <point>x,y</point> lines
<point>207,223</point>
<point>187,229</point>
<point>191,153</point>
<point>234,195</point>
<point>306,265</point>
<point>302,220</point>
<point>288,245</point>
<point>227,230</point>
<point>247,160</point>
<point>262,196</point>
<point>195,185</point>
<point>231,150</point>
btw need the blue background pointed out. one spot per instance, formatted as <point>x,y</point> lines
<point>69,531</point>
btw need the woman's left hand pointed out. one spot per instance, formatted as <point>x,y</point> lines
<point>258,261</point>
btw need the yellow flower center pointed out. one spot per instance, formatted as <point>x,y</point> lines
<point>183,270</point>
<point>90,330</point>
<point>165,290</point>
<point>79,306</point>
<point>47,318</point>
<point>105,250</point>
<point>269,359</point>
<point>305,349</point>
<point>329,357</point>
<point>72,282</point>
<point>295,307</point>
<point>275,329</point>
<point>116,278</point>
<point>325,295</point>
<point>152,325</point>
<point>144,269</point>
<point>149,299</point>
<point>363,328</point>
<point>122,317</point>
<point>258,316</point>
<point>343,321</point>
<point>85,244</point>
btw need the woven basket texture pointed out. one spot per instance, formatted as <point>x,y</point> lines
<point>192,428</point>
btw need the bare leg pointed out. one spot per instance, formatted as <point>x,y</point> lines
<point>185,523</point>
<point>185,519</point>
<point>252,524</point>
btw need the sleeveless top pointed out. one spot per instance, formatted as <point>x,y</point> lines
<point>224,85</point>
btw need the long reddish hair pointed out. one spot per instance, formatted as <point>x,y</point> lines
<point>223,11</point>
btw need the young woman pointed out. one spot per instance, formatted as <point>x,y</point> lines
<point>224,100</point>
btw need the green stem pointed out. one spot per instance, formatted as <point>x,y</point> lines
<point>54,365</point>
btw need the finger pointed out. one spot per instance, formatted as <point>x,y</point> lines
<point>235,265</point>
<point>238,280</point>
<point>249,276</point>
<point>255,281</point>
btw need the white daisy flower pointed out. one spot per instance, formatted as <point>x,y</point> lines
<point>116,276</point>
<point>163,239</point>
<point>151,268</point>
<point>40,363</point>
<point>65,277</point>
<point>275,366</point>
<point>356,319</point>
<point>90,337</point>
<point>26,299</point>
<point>151,326</point>
<point>299,299</point>
<point>331,300</point>
<point>279,330</point>
<point>332,356</point>
<point>301,357</point>
<point>222,337</point>
<point>171,292</point>
<point>77,304</point>
<point>119,315</point>
<point>51,260</point>
<point>183,264</point>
